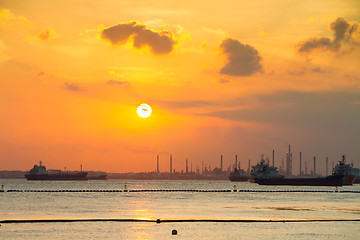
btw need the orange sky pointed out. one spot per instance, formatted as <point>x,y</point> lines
<point>222,77</point>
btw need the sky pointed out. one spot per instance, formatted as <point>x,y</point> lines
<point>222,78</point>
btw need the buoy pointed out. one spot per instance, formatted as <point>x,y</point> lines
<point>174,232</point>
<point>158,220</point>
<point>235,190</point>
<point>2,188</point>
<point>125,190</point>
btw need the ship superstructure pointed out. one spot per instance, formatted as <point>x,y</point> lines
<point>41,173</point>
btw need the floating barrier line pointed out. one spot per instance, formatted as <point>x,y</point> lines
<point>185,190</point>
<point>177,220</point>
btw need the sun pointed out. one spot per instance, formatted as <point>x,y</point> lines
<point>144,110</point>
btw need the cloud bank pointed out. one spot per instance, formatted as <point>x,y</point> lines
<point>332,111</point>
<point>159,42</point>
<point>343,33</point>
<point>243,59</point>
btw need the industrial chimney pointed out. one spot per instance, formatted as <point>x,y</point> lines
<point>170,164</point>
<point>326,166</point>
<point>236,161</point>
<point>300,164</point>
<point>221,163</point>
<point>289,163</point>
<point>157,164</point>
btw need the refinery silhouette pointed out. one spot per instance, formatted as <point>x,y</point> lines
<point>205,171</point>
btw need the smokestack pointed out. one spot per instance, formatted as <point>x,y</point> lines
<point>314,165</point>
<point>157,164</point>
<point>289,163</point>
<point>249,167</point>
<point>187,168</point>
<point>326,166</point>
<point>170,164</point>
<point>236,161</point>
<point>273,158</point>
<point>300,163</point>
<point>202,167</point>
<point>221,162</point>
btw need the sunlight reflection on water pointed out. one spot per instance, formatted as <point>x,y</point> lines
<point>175,205</point>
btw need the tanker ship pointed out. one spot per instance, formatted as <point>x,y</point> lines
<point>41,173</point>
<point>263,174</point>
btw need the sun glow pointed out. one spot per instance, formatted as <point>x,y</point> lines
<point>144,110</point>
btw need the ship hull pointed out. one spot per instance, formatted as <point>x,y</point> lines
<point>357,180</point>
<point>101,177</point>
<point>57,177</point>
<point>238,178</point>
<point>349,179</point>
<point>326,181</point>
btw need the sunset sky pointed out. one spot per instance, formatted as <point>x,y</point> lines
<point>222,77</point>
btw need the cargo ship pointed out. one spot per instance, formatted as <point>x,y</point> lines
<point>41,173</point>
<point>263,170</point>
<point>320,181</point>
<point>263,174</point>
<point>238,175</point>
<point>348,171</point>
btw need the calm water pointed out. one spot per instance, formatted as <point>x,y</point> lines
<point>176,205</point>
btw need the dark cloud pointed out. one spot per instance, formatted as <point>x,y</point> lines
<point>119,83</point>
<point>47,34</point>
<point>318,70</point>
<point>184,104</point>
<point>71,86</point>
<point>340,27</point>
<point>311,110</point>
<point>159,42</point>
<point>343,33</point>
<point>223,81</point>
<point>243,59</point>
<point>318,43</point>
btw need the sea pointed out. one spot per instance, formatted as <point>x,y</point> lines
<point>293,215</point>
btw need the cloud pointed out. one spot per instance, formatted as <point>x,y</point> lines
<point>340,27</point>
<point>223,81</point>
<point>71,87</point>
<point>159,42</point>
<point>318,43</point>
<point>184,104</point>
<point>117,83</point>
<point>8,18</point>
<point>343,33</point>
<point>311,110</point>
<point>47,34</point>
<point>243,59</point>
<point>318,70</point>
